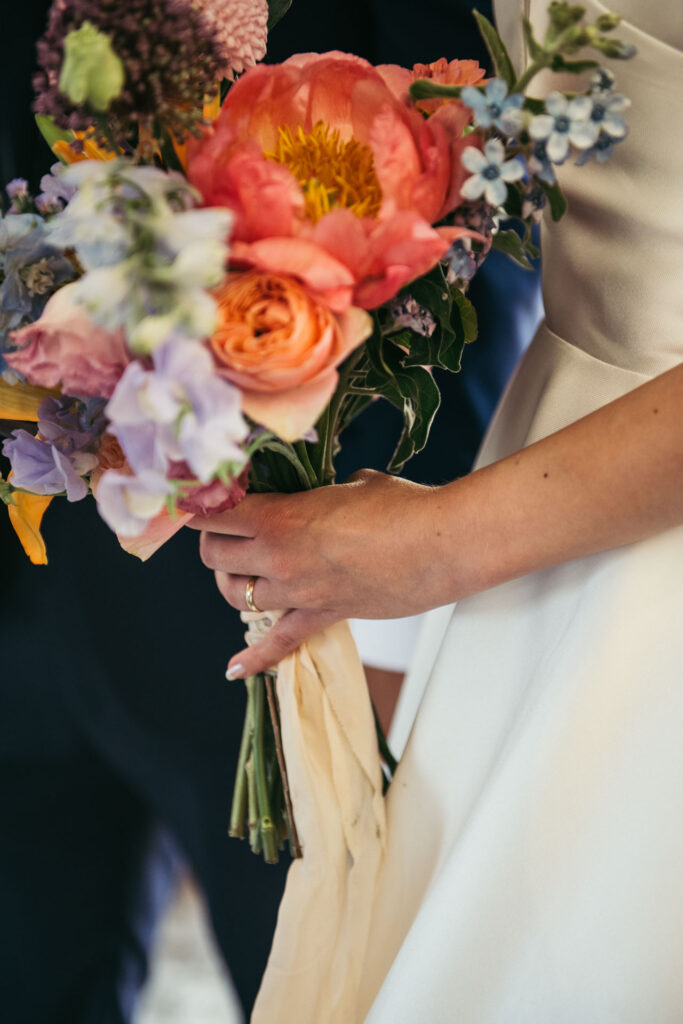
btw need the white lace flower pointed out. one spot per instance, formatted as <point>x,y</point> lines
<point>490,172</point>
<point>565,121</point>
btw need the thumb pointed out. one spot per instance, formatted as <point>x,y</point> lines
<point>285,636</point>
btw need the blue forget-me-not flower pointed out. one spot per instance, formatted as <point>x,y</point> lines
<point>490,172</point>
<point>493,107</point>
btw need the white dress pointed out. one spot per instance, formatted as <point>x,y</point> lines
<point>534,871</point>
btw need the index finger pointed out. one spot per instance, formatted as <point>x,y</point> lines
<point>242,521</point>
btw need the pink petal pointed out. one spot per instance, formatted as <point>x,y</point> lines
<point>299,257</point>
<point>160,529</point>
<point>290,414</point>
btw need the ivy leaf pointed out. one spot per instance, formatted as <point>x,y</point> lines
<point>502,64</point>
<point>419,401</point>
<point>556,200</point>
<point>276,11</point>
<point>411,389</point>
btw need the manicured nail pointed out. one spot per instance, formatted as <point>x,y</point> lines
<point>234,672</point>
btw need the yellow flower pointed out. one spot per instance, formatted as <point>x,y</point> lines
<point>25,515</point>
<point>90,151</point>
<point>22,401</point>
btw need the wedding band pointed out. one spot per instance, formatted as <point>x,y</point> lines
<point>249,595</point>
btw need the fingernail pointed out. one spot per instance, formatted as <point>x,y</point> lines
<point>234,672</point>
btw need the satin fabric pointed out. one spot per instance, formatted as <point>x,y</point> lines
<point>335,781</point>
<point>535,833</point>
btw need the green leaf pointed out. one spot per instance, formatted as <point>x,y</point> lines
<point>502,64</point>
<point>468,316</point>
<point>426,89</point>
<point>420,400</point>
<point>574,67</point>
<point>511,244</point>
<point>556,200</point>
<point>51,133</point>
<point>276,11</point>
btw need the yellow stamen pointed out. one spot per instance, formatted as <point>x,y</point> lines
<point>332,173</point>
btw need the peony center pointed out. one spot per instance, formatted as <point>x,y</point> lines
<point>332,173</point>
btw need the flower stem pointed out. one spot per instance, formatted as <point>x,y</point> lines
<point>239,796</point>
<point>266,825</point>
<point>289,810</point>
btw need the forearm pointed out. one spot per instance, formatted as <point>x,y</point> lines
<point>609,479</point>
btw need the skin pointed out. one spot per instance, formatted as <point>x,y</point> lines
<point>380,547</point>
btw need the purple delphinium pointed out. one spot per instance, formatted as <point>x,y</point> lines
<point>30,271</point>
<point>169,53</point>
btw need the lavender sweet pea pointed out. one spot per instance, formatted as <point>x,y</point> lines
<point>178,412</point>
<point>127,503</point>
<point>40,467</point>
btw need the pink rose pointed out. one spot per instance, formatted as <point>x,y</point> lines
<point>208,499</point>
<point>65,346</point>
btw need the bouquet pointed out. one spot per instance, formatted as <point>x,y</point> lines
<point>230,261</point>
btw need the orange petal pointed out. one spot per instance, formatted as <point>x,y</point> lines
<point>290,414</point>
<point>160,529</point>
<point>25,516</point>
<point>22,401</point>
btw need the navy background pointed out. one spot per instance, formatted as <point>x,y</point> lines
<point>114,713</point>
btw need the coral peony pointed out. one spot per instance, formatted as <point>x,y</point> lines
<point>281,347</point>
<point>65,346</point>
<point>331,176</point>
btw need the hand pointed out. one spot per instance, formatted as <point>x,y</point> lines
<point>359,549</point>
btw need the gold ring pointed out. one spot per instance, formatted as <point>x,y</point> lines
<point>249,595</point>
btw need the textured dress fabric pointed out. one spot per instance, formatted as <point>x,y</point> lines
<point>535,824</point>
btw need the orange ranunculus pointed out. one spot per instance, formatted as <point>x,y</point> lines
<point>332,177</point>
<point>281,346</point>
<point>453,72</point>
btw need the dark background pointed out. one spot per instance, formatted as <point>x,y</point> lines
<point>114,712</point>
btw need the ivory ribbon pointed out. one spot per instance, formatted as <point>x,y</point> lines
<point>335,779</point>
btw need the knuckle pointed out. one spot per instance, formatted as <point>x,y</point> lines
<point>284,641</point>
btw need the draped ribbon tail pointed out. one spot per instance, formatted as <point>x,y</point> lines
<point>335,779</point>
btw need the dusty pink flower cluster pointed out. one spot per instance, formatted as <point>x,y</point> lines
<point>239,29</point>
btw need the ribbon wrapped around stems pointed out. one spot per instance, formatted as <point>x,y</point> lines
<point>335,780</point>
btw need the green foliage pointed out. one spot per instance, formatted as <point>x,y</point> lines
<point>556,199</point>
<point>398,363</point>
<point>51,133</point>
<point>426,89</point>
<point>276,11</point>
<point>512,245</point>
<point>574,67</point>
<point>502,64</point>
